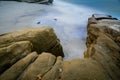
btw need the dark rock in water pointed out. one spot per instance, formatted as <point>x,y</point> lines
<point>55,19</point>
<point>33,1</point>
<point>103,16</point>
<point>50,1</point>
<point>38,22</point>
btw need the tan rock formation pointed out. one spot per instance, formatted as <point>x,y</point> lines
<point>40,67</point>
<point>102,46</point>
<point>55,72</point>
<point>15,70</point>
<point>102,57</point>
<point>82,69</point>
<point>12,53</point>
<point>101,62</point>
<point>43,39</point>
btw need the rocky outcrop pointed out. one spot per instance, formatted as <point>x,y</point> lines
<point>103,44</point>
<point>46,66</point>
<point>43,39</point>
<point>101,59</point>
<point>19,62</point>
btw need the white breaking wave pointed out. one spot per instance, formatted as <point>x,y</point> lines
<point>69,22</point>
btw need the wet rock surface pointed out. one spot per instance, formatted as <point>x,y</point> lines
<point>101,59</point>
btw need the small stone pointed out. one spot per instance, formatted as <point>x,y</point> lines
<point>38,22</point>
<point>55,19</point>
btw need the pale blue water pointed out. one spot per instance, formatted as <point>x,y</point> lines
<point>111,7</point>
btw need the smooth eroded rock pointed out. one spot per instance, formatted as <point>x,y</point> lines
<point>103,45</point>
<point>82,69</point>
<point>12,53</point>
<point>39,67</point>
<point>15,70</point>
<point>55,72</point>
<point>43,39</point>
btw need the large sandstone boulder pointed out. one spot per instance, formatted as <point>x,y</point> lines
<point>15,60</point>
<point>43,39</point>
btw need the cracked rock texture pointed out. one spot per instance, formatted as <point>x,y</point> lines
<point>43,39</point>
<point>15,70</point>
<point>103,44</point>
<point>12,53</point>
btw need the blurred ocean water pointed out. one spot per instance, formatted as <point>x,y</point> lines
<point>69,20</point>
<point>111,7</point>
